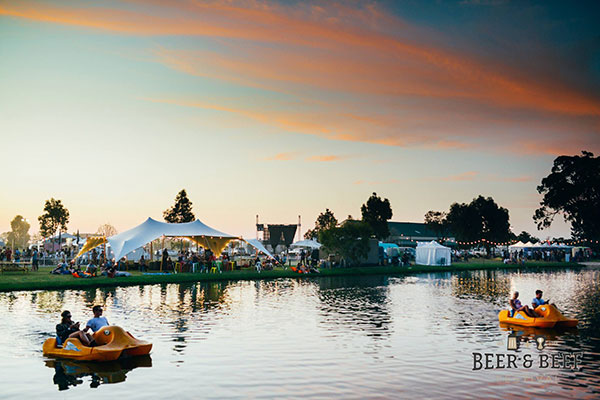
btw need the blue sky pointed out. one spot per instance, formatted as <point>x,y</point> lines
<point>285,109</point>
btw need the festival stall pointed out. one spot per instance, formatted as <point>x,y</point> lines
<point>307,243</point>
<point>432,253</point>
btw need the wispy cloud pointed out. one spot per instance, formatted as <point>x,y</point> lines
<point>364,75</point>
<point>282,157</point>
<point>326,158</point>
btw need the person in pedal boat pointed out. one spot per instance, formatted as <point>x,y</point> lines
<point>537,300</point>
<point>515,305</point>
<point>69,329</point>
<point>97,322</point>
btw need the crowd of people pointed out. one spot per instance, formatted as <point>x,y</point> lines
<point>92,269</point>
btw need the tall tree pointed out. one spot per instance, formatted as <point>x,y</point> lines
<point>350,241</point>
<point>376,212</point>
<point>18,237</point>
<point>325,220</point>
<point>106,230</point>
<point>55,218</point>
<point>573,190</point>
<point>480,219</point>
<point>437,222</point>
<point>181,210</point>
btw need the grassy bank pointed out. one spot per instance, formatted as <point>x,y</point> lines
<point>42,280</point>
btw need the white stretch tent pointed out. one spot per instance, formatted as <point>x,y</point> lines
<point>517,246</point>
<point>149,230</point>
<point>310,243</point>
<point>432,253</point>
<point>259,246</point>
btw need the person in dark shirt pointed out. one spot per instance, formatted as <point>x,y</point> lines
<point>69,329</point>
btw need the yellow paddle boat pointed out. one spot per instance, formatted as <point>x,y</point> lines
<point>549,317</point>
<point>113,342</point>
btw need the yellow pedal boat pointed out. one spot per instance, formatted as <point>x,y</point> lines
<point>113,342</point>
<point>550,317</point>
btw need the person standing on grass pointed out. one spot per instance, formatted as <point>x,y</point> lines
<point>98,322</point>
<point>35,260</point>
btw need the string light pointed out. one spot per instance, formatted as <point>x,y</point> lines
<point>511,242</point>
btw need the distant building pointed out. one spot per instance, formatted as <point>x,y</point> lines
<point>407,234</point>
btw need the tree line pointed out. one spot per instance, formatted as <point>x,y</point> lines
<point>570,191</point>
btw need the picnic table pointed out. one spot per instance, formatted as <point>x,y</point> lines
<point>14,266</point>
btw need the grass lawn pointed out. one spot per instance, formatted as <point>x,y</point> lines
<point>42,280</point>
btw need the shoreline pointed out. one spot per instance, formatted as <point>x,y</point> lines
<point>42,280</point>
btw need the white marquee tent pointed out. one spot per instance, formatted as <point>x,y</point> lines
<point>310,243</point>
<point>432,253</point>
<point>149,230</point>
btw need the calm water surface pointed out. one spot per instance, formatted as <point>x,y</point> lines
<point>351,337</point>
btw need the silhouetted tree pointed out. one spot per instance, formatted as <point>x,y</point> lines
<point>376,212</point>
<point>526,237</point>
<point>350,241</point>
<point>480,219</point>
<point>573,190</point>
<point>438,223</point>
<point>181,210</point>
<point>55,217</point>
<point>325,220</point>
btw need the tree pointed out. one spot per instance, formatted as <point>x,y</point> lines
<point>55,217</point>
<point>107,230</point>
<point>480,219</point>
<point>18,237</point>
<point>573,190</point>
<point>350,241</point>
<point>325,220</point>
<point>437,222</point>
<point>181,210</point>
<point>525,237</point>
<point>376,213</point>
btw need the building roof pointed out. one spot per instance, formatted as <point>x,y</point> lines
<point>410,229</point>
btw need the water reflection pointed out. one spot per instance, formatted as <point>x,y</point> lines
<point>529,333</point>
<point>359,303</point>
<point>387,335</point>
<point>481,285</point>
<point>70,373</point>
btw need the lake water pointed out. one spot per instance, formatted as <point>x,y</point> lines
<point>350,337</point>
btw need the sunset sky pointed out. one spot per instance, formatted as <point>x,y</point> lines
<point>287,108</point>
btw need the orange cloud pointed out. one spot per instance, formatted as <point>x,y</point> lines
<point>326,158</point>
<point>281,157</point>
<point>357,58</point>
<point>355,80</point>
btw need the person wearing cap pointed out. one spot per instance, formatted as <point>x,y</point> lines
<point>69,329</point>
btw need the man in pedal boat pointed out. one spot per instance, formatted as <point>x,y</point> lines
<point>537,300</point>
<point>97,322</point>
<point>515,305</point>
